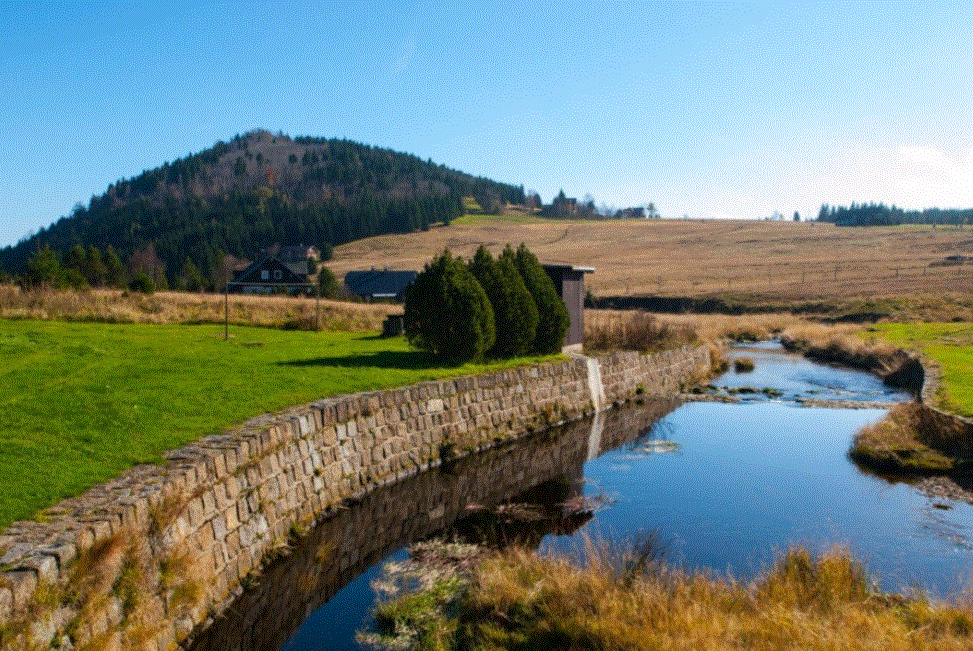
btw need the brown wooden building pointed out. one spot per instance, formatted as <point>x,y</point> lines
<point>569,282</point>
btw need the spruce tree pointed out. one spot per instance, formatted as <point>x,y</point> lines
<point>447,312</point>
<point>514,310</point>
<point>553,316</point>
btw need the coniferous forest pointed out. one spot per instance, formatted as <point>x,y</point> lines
<point>185,222</point>
<point>878,214</point>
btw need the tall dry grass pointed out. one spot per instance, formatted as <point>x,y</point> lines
<point>637,330</point>
<point>844,344</point>
<point>704,327</point>
<point>115,306</point>
<point>517,599</point>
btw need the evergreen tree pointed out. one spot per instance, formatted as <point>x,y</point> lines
<point>514,309</point>
<point>43,270</point>
<point>327,283</point>
<point>553,316</point>
<point>114,269</point>
<point>94,268</point>
<point>447,312</point>
<point>190,278</point>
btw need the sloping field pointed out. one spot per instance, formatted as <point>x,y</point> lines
<point>776,260</point>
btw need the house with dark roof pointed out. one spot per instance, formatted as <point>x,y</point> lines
<point>270,275</point>
<point>380,284</point>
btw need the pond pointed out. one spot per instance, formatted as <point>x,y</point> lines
<point>720,486</point>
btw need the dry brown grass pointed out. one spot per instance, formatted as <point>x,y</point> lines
<point>636,330</point>
<point>706,327</point>
<point>520,600</point>
<point>903,442</point>
<point>773,260</point>
<point>115,306</point>
<point>844,344</point>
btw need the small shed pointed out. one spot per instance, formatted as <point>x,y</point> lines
<point>380,284</point>
<point>569,282</point>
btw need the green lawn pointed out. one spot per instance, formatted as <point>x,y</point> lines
<point>950,345</point>
<point>79,403</point>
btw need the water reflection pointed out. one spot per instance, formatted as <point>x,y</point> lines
<point>522,491</point>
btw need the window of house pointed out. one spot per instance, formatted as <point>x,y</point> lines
<point>264,274</point>
<point>278,274</point>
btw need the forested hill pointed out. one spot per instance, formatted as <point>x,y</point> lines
<point>257,190</point>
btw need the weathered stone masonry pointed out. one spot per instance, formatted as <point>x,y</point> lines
<point>146,560</point>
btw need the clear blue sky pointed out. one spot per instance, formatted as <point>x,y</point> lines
<point>708,110</point>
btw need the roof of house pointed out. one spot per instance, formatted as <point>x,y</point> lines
<point>380,283</point>
<point>296,272</point>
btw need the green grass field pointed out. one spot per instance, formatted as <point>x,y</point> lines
<point>950,345</point>
<point>79,403</point>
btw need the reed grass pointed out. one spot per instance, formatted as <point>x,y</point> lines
<point>518,599</point>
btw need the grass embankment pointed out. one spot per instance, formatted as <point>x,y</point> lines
<point>81,402</point>
<point>116,306</point>
<point>911,439</point>
<point>520,600</point>
<point>947,345</point>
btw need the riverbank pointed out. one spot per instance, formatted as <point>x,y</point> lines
<point>197,530</point>
<point>474,599</point>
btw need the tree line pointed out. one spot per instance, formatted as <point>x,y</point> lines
<point>878,214</point>
<point>237,198</point>
<point>488,307</point>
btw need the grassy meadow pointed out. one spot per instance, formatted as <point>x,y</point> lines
<point>80,402</point>
<point>948,345</point>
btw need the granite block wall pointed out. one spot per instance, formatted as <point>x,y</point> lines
<point>146,560</point>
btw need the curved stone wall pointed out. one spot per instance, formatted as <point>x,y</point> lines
<point>145,561</point>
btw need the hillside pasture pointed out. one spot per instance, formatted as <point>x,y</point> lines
<point>745,260</point>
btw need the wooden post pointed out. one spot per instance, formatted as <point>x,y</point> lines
<point>317,308</point>
<point>226,312</point>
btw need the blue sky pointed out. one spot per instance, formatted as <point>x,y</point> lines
<point>708,110</point>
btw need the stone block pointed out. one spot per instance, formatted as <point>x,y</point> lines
<point>6,604</point>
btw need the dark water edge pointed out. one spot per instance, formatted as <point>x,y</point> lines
<point>340,551</point>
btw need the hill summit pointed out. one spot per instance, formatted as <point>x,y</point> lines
<point>257,190</point>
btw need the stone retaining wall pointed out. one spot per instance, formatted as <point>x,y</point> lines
<point>145,561</point>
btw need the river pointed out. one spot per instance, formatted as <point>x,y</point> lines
<point>723,486</point>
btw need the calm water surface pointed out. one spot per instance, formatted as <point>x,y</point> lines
<point>726,487</point>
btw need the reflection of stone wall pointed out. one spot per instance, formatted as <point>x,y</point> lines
<point>194,529</point>
<point>342,547</point>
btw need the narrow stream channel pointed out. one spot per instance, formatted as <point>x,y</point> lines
<point>720,486</point>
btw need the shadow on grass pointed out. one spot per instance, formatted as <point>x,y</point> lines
<point>406,360</point>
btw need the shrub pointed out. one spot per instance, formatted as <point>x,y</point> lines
<point>743,365</point>
<point>327,283</point>
<point>553,319</point>
<point>141,283</point>
<point>514,310</point>
<point>447,312</point>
